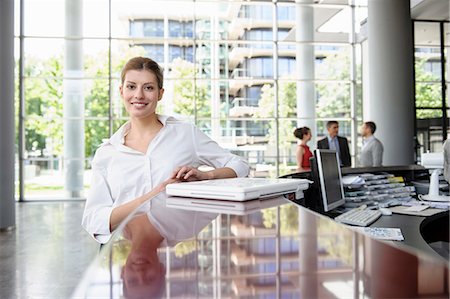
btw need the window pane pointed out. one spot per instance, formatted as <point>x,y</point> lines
<point>426,34</point>
<point>118,108</point>
<point>96,58</point>
<point>151,20</point>
<point>332,62</point>
<point>44,97</point>
<point>333,100</point>
<point>428,113</point>
<point>96,18</point>
<point>288,146</point>
<point>428,95</point>
<point>94,133</point>
<point>37,22</point>
<point>96,98</point>
<point>43,57</point>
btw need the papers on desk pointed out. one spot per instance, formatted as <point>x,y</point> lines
<point>352,180</point>
<point>382,233</point>
<point>424,213</point>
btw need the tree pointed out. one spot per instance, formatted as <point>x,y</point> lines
<point>286,109</point>
<point>44,101</point>
<point>189,96</point>
<point>43,104</point>
<point>427,94</point>
<point>333,99</point>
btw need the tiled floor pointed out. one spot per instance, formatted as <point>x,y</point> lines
<point>48,252</point>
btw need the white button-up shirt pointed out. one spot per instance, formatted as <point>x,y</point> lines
<point>121,174</point>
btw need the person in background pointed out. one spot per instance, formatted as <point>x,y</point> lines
<point>337,143</point>
<point>303,152</point>
<point>447,160</point>
<point>132,168</point>
<point>372,149</point>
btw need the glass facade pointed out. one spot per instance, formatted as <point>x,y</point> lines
<point>431,94</point>
<point>230,67</point>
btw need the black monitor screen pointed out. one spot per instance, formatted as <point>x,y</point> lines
<point>331,189</point>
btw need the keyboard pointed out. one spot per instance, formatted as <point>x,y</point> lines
<point>359,216</point>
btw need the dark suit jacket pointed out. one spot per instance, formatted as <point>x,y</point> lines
<point>346,160</point>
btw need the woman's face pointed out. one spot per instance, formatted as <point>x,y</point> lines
<point>307,136</point>
<point>140,93</point>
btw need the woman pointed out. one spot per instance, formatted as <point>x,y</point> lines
<point>147,153</point>
<point>303,152</point>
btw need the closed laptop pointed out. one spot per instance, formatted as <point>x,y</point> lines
<point>238,189</point>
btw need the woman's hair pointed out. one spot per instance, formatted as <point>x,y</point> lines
<point>144,63</point>
<point>300,132</point>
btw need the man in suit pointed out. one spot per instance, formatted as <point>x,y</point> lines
<point>337,143</point>
<point>372,149</point>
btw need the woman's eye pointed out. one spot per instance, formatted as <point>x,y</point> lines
<point>149,88</point>
<point>130,86</point>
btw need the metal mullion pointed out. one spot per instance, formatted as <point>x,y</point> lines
<point>110,110</point>
<point>275,85</point>
<point>414,89</point>
<point>21,116</point>
<point>353,124</point>
<point>443,93</point>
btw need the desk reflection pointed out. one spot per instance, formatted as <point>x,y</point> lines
<point>281,252</point>
<point>143,274</point>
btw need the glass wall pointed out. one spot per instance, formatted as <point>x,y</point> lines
<point>232,68</point>
<point>431,74</point>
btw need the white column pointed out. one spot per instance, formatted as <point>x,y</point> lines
<point>306,98</point>
<point>308,254</point>
<point>390,103</point>
<point>7,203</point>
<point>73,100</point>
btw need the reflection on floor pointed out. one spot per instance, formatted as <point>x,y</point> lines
<point>47,253</point>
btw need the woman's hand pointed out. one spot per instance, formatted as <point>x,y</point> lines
<point>187,173</point>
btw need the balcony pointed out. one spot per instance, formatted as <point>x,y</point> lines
<point>240,78</point>
<point>243,107</point>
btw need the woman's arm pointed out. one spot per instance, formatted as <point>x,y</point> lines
<point>299,154</point>
<point>119,213</point>
<point>225,164</point>
<point>187,173</point>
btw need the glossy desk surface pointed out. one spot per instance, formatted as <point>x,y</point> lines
<point>280,252</point>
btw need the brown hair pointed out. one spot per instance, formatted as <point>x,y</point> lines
<point>332,122</point>
<point>371,125</point>
<point>300,132</point>
<point>143,63</point>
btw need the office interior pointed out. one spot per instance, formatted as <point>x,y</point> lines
<point>247,73</point>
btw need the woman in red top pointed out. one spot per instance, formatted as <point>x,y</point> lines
<point>303,151</point>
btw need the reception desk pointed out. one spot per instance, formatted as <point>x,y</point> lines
<point>286,251</point>
<point>427,234</point>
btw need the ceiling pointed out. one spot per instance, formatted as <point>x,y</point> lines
<point>437,10</point>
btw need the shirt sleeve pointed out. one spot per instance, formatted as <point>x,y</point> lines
<point>98,207</point>
<point>377,154</point>
<point>210,153</point>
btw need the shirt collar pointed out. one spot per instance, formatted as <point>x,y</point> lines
<point>331,139</point>
<point>368,139</point>
<point>118,138</point>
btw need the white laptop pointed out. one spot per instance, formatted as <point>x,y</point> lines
<point>238,189</point>
<point>224,206</point>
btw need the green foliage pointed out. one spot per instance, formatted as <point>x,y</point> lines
<point>43,106</point>
<point>43,86</point>
<point>286,108</point>
<point>288,219</point>
<point>333,98</point>
<point>190,97</point>
<point>427,94</point>
<point>185,247</point>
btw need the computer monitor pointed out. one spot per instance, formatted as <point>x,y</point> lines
<point>330,179</point>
